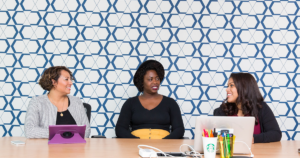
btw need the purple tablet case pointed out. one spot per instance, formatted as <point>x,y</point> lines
<point>76,134</point>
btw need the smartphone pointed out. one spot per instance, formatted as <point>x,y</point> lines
<point>18,142</point>
<point>172,154</point>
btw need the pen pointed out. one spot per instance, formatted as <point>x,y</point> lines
<point>231,144</point>
<point>233,140</point>
<point>224,145</point>
<point>228,144</point>
<point>221,147</point>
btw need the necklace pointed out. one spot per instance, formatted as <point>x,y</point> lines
<point>61,113</point>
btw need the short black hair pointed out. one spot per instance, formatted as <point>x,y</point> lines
<point>138,78</point>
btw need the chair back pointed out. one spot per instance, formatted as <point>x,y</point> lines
<point>88,110</point>
<point>170,130</point>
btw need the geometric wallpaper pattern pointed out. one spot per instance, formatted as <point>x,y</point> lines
<point>103,42</point>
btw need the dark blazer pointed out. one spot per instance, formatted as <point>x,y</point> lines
<point>270,131</point>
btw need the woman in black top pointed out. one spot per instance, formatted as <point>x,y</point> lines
<point>244,99</point>
<point>151,112</point>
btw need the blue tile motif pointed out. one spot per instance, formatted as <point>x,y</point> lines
<point>103,42</point>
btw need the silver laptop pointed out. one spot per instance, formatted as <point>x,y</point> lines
<point>243,130</point>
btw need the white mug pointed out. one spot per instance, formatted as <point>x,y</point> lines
<point>209,146</point>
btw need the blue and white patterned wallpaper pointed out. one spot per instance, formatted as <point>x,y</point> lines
<point>103,42</point>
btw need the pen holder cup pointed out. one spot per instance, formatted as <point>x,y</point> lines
<point>209,146</point>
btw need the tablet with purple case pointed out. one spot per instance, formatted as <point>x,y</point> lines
<point>66,134</point>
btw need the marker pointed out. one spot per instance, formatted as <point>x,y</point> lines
<point>205,134</point>
<point>211,133</point>
<point>215,133</point>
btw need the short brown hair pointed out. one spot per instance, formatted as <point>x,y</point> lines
<point>52,73</point>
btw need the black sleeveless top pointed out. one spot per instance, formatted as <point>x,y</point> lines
<point>66,119</point>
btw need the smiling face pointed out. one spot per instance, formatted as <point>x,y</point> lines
<point>231,90</point>
<point>64,83</point>
<point>151,82</point>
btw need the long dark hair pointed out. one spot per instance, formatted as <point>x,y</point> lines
<point>249,96</point>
